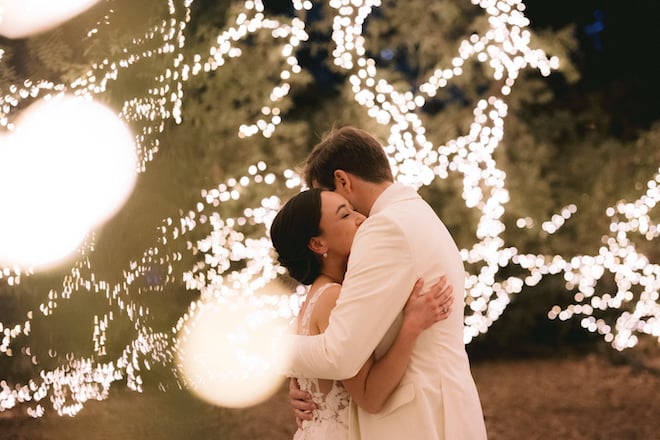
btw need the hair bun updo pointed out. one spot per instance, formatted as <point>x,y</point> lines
<point>294,225</point>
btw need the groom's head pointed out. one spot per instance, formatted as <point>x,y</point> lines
<point>351,162</point>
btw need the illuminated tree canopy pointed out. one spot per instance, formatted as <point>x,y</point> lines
<point>225,99</point>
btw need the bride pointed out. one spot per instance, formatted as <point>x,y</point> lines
<point>312,235</point>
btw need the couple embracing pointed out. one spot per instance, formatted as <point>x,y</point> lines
<point>376,356</point>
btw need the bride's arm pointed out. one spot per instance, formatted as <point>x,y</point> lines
<point>376,380</point>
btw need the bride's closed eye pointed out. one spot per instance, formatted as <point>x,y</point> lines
<point>344,211</point>
<point>349,210</point>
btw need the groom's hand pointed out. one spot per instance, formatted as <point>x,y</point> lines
<point>301,402</point>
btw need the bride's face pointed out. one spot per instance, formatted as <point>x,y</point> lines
<point>339,222</point>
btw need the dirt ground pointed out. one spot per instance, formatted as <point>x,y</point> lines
<point>571,399</point>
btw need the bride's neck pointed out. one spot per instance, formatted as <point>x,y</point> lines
<point>333,272</point>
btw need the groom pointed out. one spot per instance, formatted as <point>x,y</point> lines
<point>401,240</point>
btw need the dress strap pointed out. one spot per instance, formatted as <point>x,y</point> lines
<point>307,315</point>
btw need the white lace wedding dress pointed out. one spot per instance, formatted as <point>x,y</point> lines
<point>331,418</point>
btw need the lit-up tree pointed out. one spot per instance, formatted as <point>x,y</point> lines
<point>226,98</point>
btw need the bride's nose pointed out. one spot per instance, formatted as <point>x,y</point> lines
<point>359,219</point>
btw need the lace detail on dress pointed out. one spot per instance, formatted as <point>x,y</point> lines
<point>331,418</point>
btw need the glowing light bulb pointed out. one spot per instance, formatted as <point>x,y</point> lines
<point>68,165</point>
<point>18,19</point>
<point>230,354</point>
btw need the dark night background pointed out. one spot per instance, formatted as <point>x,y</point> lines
<point>618,56</point>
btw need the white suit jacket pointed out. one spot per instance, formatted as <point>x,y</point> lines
<point>401,240</point>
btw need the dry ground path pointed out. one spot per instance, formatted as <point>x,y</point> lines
<point>585,398</point>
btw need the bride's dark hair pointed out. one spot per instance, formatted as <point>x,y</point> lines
<point>294,225</point>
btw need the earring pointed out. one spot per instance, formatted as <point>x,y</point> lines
<point>325,255</point>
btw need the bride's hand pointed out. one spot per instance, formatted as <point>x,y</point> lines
<point>424,309</point>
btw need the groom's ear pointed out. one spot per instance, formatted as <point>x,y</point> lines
<point>317,246</point>
<point>342,180</point>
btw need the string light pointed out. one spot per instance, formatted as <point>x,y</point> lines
<point>234,263</point>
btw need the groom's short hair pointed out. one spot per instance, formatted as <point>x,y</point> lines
<point>349,149</point>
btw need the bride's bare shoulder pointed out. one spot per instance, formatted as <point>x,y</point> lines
<point>324,305</point>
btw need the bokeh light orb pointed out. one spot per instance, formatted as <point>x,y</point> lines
<point>68,165</point>
<point>232,352</point>
<point>20,18</point>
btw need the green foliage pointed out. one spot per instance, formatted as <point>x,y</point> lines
<point>553,154</point>
<point>556,151</point>
<point>524,329</point>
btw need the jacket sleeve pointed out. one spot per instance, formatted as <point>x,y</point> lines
<point>378,281</point>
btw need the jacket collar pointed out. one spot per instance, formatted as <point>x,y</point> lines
<point>394,193</point>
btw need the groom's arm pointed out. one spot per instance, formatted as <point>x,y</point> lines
<point>379,279</point>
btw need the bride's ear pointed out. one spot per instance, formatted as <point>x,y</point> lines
<point>317,246</point>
